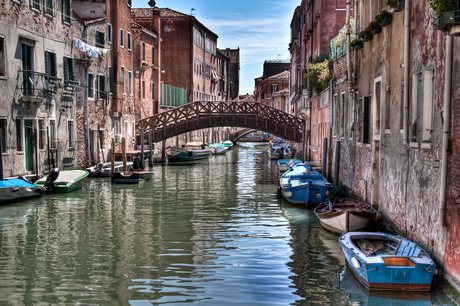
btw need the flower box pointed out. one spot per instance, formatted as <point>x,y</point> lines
<point>375,30</point>
<point>386,20</point>
<point>397,5</point>
<point>357,46</point>
<point>366,37</point>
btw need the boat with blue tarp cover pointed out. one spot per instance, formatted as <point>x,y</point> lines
<point>285,164</point>
<point>302,185</point>
<point>382,261</point>
<point>18,189</point>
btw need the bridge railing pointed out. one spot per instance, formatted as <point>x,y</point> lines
<point>202,110</point>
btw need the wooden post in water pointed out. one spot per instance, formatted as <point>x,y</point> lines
<point>112,159</point>
<point>142,165</point>
<point>163,151</point>
<point>35,148</point>
<point>123,153</point>
<point>150,149</point>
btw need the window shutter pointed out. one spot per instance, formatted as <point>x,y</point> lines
<point>101,82</point>
<point>66,69</point>
<point>97,39</point>
<point>367,120</point>
<point>47,63</point>
<point>53,65</point>
<point>71,74</point>
<point>102,39</point>
<point>111,79</point>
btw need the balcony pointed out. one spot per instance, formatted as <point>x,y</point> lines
<point>448,22</point>
<point>71,86</point>
<point>36,86</point>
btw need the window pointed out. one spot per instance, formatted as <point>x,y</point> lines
<point>208,45</point>
<point>52,131</point>
<point>19,146</point>
<point>50,63</point>
<point>387,111</point>
<point>128,41</point>
<point>35,4</point>
<point>130,82</point>
<point>111,80</point>
<point>69,133</point>
<point>68,69</point>
<point>428,103</point>
<point>133,125</point>
<point>101,86</point>
<point>3,128</point>
<point>123,79</point>
<point>66,11</point>
<point>342,114</point>
<point>2,57</point>
<point>416,107</point>
<point>367,120</point>
<point>41,134</point>
<point>143,50</point>
<point>129,3</point>
<point>153,55</point>
<point>376,115</point>
<point>100,39</point>
<point>49,7</point>
<point>90,85</point>
<point>274,88</point>
<point>143,89</point>
<point>109,33</point>
<point>126,131</point>
<point>121,38</point>
<point>153,91</point>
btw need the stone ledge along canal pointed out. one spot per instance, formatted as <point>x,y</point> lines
<point>210,233</point>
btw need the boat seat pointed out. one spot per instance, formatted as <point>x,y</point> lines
<point>408,248</point>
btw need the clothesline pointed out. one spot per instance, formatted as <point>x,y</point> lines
<point>89,50</point>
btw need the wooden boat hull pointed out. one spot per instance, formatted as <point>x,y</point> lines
<point>349,216</point>
<point>106,171</point>
<point>132,177</point>
<point>16,190</point>
<point>67,181</point>
<point>408,268</point>
<point>283,164</point>
<point>176,154</point>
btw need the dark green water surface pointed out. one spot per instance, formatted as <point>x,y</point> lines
<point>211,233</point>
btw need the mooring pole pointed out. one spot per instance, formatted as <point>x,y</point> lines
<point>150,149</point>
<point>142,149</point>
<point>323,171</point>
<point>35,147</point>
<point>337,163</point>
<point>123,153</point>
<point>112,159</point>
<point>163,152</point>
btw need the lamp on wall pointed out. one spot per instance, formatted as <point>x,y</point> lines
<point>144,68</point>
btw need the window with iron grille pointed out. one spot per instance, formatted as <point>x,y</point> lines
<point>52,133</point>
<point>19,146</point>
<point>3,135</point>
<point>41,134</point>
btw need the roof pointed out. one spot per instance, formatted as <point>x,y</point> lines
<point>137,26</point>
<point>280,76</point>
<point>246,97</point>
<point>88,21</point>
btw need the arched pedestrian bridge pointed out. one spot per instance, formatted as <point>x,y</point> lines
<point>200,115</point>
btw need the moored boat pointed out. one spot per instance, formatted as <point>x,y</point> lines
<point>279,150</point>
<point>191,151</point>
<point>285,164</point>
<point>228,143</point>
<point>18,189</point>
<point>63,181</point>
<point>105,169</point>
<point>382,261</point>
<point>301,185</point>
<point>346,216</point>
<point>134,176</point>
<point>218,149</point>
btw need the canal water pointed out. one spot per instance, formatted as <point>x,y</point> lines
<point>210,233</point>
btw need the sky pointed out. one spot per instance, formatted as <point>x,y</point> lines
<point>261,29</point>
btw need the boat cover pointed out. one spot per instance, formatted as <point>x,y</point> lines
<point>15,182</point>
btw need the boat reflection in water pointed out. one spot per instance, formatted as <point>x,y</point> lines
<point>358,295</point>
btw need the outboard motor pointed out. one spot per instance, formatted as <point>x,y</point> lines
<point>203,146</point>
<point>52,176</point>
<point>24,179</point>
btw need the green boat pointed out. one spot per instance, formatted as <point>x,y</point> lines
<point>63,181</point>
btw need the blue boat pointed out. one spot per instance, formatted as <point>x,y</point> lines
<point>385,262</point>
<point>190,152</point>
<point>302,185</point>
<point>18,189</point>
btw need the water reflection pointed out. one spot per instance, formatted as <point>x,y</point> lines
<point>210,233</point>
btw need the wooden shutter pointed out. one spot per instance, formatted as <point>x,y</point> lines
<point>53,64</point>
<point>72,69</point>
<point>47,63</point>
<point>66,69</point>
<point>101,83</point>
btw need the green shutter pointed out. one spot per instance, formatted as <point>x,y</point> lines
<point>66,10</point>
<point>71,74</point>
<point>97,38</point>
<point>111,79</point>
<point>47,63</point>
<point>66,69</point>
<point>102,87</point>
<point>36,4</point>
<point>90,85</point>
<point>53,65</point>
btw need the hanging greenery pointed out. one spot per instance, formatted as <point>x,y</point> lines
<point>319,74</point>
<point>444,5</point>
<point>339,43</point>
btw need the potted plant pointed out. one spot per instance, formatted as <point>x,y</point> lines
<point>49,10</point>
<point>374,28</point>
<point>447,13</point>
<point>384,18</point>
<point>365,35</point>
<point>356,44</point>
<point>397,5</point>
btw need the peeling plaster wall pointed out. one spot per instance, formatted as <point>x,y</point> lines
<point>19,23</point>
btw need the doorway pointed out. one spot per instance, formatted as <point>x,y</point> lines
<point>29,144</point>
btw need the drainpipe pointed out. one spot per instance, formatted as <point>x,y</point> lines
<point>446,133</point>
<point>355,53</point>
<point>347,27</point>
<point>331,111</point>
<point>86,105</point>
<point>406,69</point>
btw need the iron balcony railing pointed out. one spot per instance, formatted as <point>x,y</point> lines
<point>36,84</point>
<point>445,20</point>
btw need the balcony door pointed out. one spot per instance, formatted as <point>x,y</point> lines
<point>29,144</point>
<point>27,65</point>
